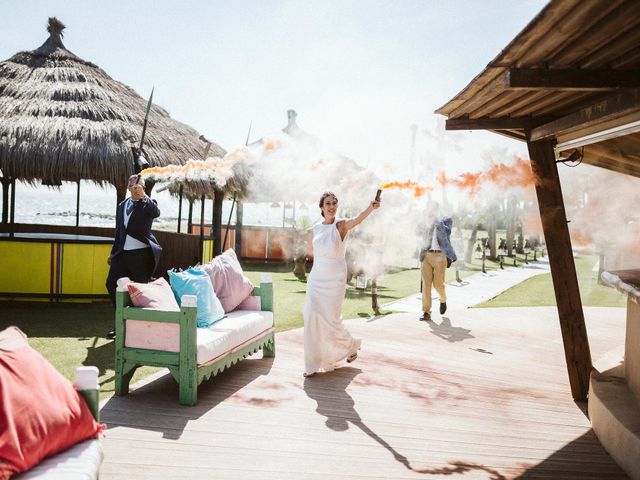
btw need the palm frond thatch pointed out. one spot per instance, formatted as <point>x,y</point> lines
<point>63,118</point>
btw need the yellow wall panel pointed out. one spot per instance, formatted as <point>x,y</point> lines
<point>26,267</point>
<point>84,268</point>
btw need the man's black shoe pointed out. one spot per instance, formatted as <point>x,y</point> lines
<point>443,308</point>
<point>426,317</point>
<point>110,335</point>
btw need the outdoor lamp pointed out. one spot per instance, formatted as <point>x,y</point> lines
<point>485,249</point>
<point>478,253</point>
<point>527,249</point>
<point>361,282</point>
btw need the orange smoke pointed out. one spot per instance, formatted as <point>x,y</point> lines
<point>517,174</point>
<point>270,144</point>
<point>318,163</point>
<point>210,164</point>
<point>418,190</point>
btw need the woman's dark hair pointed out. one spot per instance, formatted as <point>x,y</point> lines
<point>325,195</point>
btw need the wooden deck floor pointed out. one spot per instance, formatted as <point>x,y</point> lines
<point>481,393</point>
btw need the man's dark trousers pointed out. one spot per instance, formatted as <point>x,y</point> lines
<point>137,264</point>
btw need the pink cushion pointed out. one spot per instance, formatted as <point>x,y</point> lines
<point>156,295</point>
<point>41,413</point>
<point>250,303</point>
<point>229,283</point>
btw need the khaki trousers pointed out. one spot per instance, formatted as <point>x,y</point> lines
<point>432,269</point>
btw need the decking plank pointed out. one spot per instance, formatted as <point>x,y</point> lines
<point>421,401</point>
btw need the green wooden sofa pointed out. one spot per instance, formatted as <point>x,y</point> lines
<point>171,340</point>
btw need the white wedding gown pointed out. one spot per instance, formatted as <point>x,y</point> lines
<point>326,340</point>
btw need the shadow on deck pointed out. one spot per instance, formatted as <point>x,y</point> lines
<point>480,393</point>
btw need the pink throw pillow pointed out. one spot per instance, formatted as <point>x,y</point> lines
<point>156,295</point>
<point>229,283</point>
<point>250,303</point>
<point>41,413</point>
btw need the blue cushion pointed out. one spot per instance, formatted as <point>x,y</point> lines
<point>196,282</point>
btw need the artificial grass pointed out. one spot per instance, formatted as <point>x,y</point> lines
<point>72,334</point>
<point>538,291</point>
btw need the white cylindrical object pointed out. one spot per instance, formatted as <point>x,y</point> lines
<point>86,378</point>
<point>189,301</point>
<point>122,284</point>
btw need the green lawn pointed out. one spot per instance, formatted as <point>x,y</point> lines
<point>538,291</point>
<point>69,335</point>
<point>72,334</point>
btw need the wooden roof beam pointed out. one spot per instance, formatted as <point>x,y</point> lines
<point>485,123</point>
<point>571,79</point>
<point>609,108</point>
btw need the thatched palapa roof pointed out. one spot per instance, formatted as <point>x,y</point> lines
<point>63,118</point>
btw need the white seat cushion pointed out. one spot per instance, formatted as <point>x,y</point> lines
<point>79,462</point>
<point>225,335</point>
<point>220,338</point>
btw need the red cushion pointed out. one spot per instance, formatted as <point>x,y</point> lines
<point>41,413</point>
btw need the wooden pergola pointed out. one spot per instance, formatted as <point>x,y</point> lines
<point>568,85</point>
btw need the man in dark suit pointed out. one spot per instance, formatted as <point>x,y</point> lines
<point>135,252</point>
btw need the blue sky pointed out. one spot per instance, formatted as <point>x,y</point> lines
<point>358,73</point>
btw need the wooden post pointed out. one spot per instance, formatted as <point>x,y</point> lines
<point>201,226</point>
<point>217,222</point>
<point>121,194</point>
<point>78,205</point>
<point>12,214</point>
<point>6,183</point>
<point>238,231</point>
<point>190,218</point>
<point>180,209</point>
<point>563,269</point>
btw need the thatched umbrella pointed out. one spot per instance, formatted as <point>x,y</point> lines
<point>64,119</point>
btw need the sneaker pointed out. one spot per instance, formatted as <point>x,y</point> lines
<point>443,307</point>
<point>352,357</point>
<point>110,335</point>
<point>426,317</point>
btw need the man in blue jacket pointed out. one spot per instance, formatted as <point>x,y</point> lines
<point>435,258</point>
<point>135,252</point>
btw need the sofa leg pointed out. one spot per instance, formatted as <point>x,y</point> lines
<point>269,348</point>
<point>188,386</point>
<point>124,373</point>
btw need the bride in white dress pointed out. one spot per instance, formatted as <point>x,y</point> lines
<point>326,340</point>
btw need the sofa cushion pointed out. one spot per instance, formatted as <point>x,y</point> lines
<point>252,302</point>
<point>228,280</point>
<point>218,339</point>
<point>41,413</point>
<point>196,282</point>
<point>226,335</point>
<point>80,462</point>
<point>155,295</point>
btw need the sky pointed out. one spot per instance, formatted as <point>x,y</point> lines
<point>359,73</point>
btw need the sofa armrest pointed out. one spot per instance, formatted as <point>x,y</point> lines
<point>86,383</point>
<point>265,292</point>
